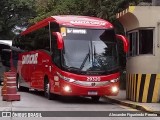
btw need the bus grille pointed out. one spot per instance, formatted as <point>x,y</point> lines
<point>92,84</point>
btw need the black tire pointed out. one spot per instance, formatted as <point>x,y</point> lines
<point>47,92</point>
<point>95,98</point>
<point>1,81</point>
<point>20,88</point>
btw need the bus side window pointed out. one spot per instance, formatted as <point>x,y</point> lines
<point>41,39</point>
<point>56,56</point>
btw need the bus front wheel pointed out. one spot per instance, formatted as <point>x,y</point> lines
<point>47,92</point>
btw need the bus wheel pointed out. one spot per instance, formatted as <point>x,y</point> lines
<point>19,88</point>
<point>47,89</point>
<point>95,98</point>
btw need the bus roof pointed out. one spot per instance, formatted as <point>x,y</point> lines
<point>71,21</point>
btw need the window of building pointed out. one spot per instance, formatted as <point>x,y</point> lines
<point>146,42</point>
<point>141,42</point>
<point>133,40</point>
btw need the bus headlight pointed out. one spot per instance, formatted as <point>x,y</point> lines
<point>65,78</point>
<point>67,89</point>
<point>114,89</point>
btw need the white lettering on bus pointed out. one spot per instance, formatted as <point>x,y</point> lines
<point>93,79</point>
<point>88,22</point>
<point>30,59</point>
<point>76,31</point>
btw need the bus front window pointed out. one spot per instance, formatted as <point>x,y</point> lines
<point>90,52</point>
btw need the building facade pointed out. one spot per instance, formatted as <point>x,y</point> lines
<point>142,27</point>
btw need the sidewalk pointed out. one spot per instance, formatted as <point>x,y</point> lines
<point>147,107</point>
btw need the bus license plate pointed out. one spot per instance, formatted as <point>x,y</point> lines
<point>92,93</point>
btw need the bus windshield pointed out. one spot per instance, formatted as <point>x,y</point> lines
<point>90,51</point>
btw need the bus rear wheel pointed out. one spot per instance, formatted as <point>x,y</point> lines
<point>95,98</point>
<point>19,87</point>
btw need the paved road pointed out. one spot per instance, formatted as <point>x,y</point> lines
<point>35,101</point>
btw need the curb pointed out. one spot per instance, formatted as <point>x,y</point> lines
<point>131,105</point>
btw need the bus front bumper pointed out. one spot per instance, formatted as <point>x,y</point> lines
<point>71,89</point>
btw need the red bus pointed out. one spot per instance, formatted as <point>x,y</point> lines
<point>69,56</point>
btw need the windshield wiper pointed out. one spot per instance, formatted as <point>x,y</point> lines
<point>85,59</point>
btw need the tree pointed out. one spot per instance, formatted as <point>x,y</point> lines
<point>107,9</point>
<point>14,14</point>
<point>62,7</point>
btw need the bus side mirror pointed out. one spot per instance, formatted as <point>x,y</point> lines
<point>59,40</point>
<point>5,57</point>
<point>125,42</point>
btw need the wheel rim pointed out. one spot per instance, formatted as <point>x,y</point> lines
<point>47,88</point>
<point>18,85</point>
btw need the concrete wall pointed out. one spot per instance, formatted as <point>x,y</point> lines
<point>141,17</point>
<point>143,71</point>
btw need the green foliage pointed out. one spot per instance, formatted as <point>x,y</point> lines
<point>14,13</point>
<point>62,7</point>
<point>105,9</point>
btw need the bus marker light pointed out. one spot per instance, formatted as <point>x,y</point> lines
<point>56,78</point>
<point>114,80</point>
